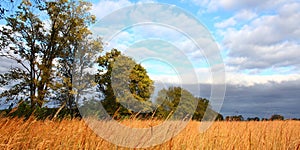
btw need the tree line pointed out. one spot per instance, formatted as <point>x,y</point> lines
<point>272,118</point>
<point>51,47</point>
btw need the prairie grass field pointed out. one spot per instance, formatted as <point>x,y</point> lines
<point>75,134</point>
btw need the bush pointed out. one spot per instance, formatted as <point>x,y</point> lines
<point>24,110</point>
<point>277,117</point>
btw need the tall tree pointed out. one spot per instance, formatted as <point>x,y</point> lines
<point>123,82</point>
<point>75,72</point>
<point>37,46</point>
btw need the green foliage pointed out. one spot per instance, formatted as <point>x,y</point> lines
<point>276,117</point>
<point>25,111</point>
<point>93,108</point>
<point>120,75</point>
<point>253,119</point>
<point>234,118</point>
<point>169,100</point>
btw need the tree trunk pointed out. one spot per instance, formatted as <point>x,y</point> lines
<point>61,107</point>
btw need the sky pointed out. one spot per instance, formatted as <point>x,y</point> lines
<point>255,43</point>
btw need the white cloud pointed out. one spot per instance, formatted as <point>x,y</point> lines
<point>263,57</point>
<point>239,18</point>
<point>267,41</point>
<point>289,9</point>
<point>233,4</point>
<point>226,23</point>
<point>245,15</point>
<point>261,43</point>
<point>251,80</point>
<point>146,1</point>
<point>105,7</point>
<point>237,5</point>
<point>200,75</point>
<point>236,60</point>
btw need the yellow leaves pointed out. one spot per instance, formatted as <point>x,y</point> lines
<point>73,92</point>
<point>64,1</point>
<point>66,80</point>
<point>93,17</point>
<point>27,2</point>
<point>23,18</point>
<point>93,83</point>
<point>97,46</point>
<point>75,22</point>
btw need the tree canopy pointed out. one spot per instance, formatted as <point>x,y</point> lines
<point>169,99</point>
<point>124,84</point>
<point>37,47</point>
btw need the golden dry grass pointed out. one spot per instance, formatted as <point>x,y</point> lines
<point>74,134</point>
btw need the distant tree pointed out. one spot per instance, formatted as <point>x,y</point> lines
<point>201,107</point>
<point>169,100</point>
<point>235,118</point>
<point>204,107</point>
<point>219,117</point>
<point>253,119</point>
<point>277,117</point>
<point>240,118</point>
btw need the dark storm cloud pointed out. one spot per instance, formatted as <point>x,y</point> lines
<point>261,100</point>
